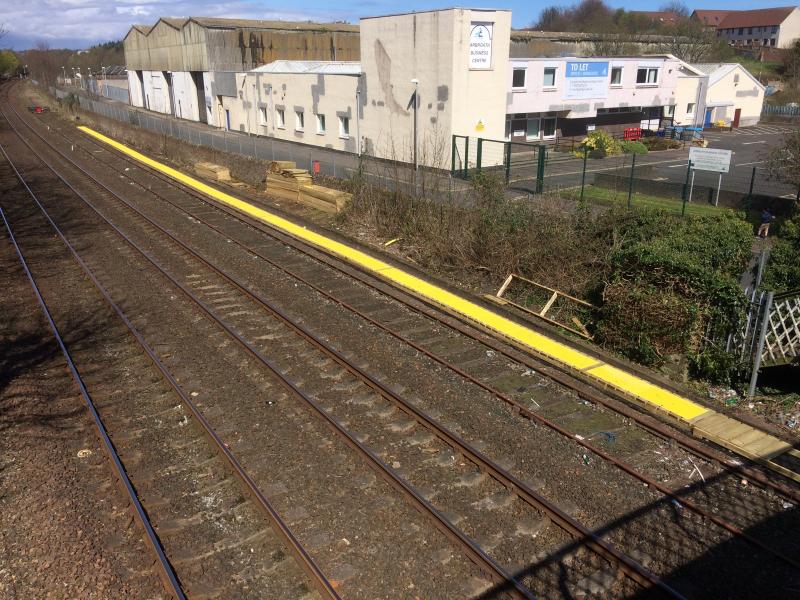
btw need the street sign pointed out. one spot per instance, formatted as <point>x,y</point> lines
<point>710,159</point>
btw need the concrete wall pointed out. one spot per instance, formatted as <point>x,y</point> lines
<point>262,95</point>
<point>135,88</point>
<point>690,90</point>
<point>185,96</point>
<point>156,92</point>
<point>535,98</point>
<point>789,30</point>
<point>739,88</point>
<point>434,48</point>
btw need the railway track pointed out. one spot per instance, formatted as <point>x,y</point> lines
<point>375,397</point>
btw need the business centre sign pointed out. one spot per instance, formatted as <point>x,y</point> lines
<point>480,45</point>
<point>585,80</point>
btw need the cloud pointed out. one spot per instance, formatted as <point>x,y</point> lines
<point>81,23</point>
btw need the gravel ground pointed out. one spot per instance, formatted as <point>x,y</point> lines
<point>674,542</point>
<point>65,528</point>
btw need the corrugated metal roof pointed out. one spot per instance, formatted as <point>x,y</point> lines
<point>311,67</point>
<point>717,71</point>
<point>764,17</point>
<point>216,22</point>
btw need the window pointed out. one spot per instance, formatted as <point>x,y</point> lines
<point>736,78</point>
<point>518,79</point>
<point>690,109</point>
<point>280,118</point>
<point>299,120</point>
<point>741,31</point>
<point>549,128</point>
<point>647,75</point>
<point>669,111</point>
<point>772,42</point>
<point>616,75</point>
<point>774,29</point>
<point>262,115</point>
<point>532,129</point>
<point>549,77</point>
<point>749,31</point>
<point>321,124</point>
<point>344,127</point>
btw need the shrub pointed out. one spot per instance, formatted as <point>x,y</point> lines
<point>599,144</point>
<point>659,143</point>
<point>672,281</point>
<point>783,267</point>
<point>631,147</point>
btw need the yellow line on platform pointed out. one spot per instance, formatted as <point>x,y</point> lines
<point>631,385</point>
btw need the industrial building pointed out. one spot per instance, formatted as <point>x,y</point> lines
<point>401,86</point>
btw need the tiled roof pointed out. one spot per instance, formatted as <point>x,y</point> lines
<point>756,18</point>
<point>710,17</point>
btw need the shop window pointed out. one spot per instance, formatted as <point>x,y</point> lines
<point>518,79</point>
<point>550,77</point>
<point>532,129</point>
<point>549,128</point>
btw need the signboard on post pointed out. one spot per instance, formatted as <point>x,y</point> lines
<point>710,159</point>
<point>480,45</point>
<point>586,80</point>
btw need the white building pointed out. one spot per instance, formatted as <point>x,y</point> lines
<point>734,95</point>
<point>565,97</point>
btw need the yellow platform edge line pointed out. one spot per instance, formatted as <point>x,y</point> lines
<point>631,385</point>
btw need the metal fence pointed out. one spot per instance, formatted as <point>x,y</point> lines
<point>783,110</point>
<point>658,179</point>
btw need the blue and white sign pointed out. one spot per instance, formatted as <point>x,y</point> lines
<point>586,80</point>
<point>480,45</point>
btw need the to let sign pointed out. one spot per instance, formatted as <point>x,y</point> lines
<point>480,45</point>
<point>710,159</point>
<point>586,80</point>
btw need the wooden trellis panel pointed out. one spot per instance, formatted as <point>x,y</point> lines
<point>782,340</point>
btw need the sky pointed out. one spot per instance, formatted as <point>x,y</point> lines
<point>81,23</point>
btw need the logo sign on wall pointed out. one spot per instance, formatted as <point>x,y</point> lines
<point>480,45</point>
<point>586,80</point>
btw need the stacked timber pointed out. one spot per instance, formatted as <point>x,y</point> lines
<point>212,171</point>
<point>286,181</point>
<point>323,198</point>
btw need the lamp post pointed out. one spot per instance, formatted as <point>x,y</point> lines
<point>64,73</point>
<point>416,105</point>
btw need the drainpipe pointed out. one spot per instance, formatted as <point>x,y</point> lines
<point>358,116</point>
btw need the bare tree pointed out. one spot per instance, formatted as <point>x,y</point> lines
<point>613,44</point>
<point>677,7</point>
<point>3,30</point>
<point>689,40</point>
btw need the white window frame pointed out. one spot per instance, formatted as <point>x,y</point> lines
<point>344,127</point>
<point>648,72</point>
<point>611,81</point>
<point>320,124</point>
<point>544,75</point>
<point>690,108</point>
<point>524,78</point>
<point>262,116</point>
<point>299,120</point>
<point>280,118</point>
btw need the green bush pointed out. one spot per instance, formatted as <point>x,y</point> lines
<point>598,144</point>
<point>660,143</point>
<point>631,147</point>
<point>672,281</point>
<point>783,268</point>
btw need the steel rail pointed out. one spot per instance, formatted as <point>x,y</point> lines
<point>517,406</point>
<point>574,528</point>
<point>279,525</point>
<point>496,572</point>
<point>167,574</point>
<point>552,370</point>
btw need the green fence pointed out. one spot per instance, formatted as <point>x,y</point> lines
<point>661,179</point>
